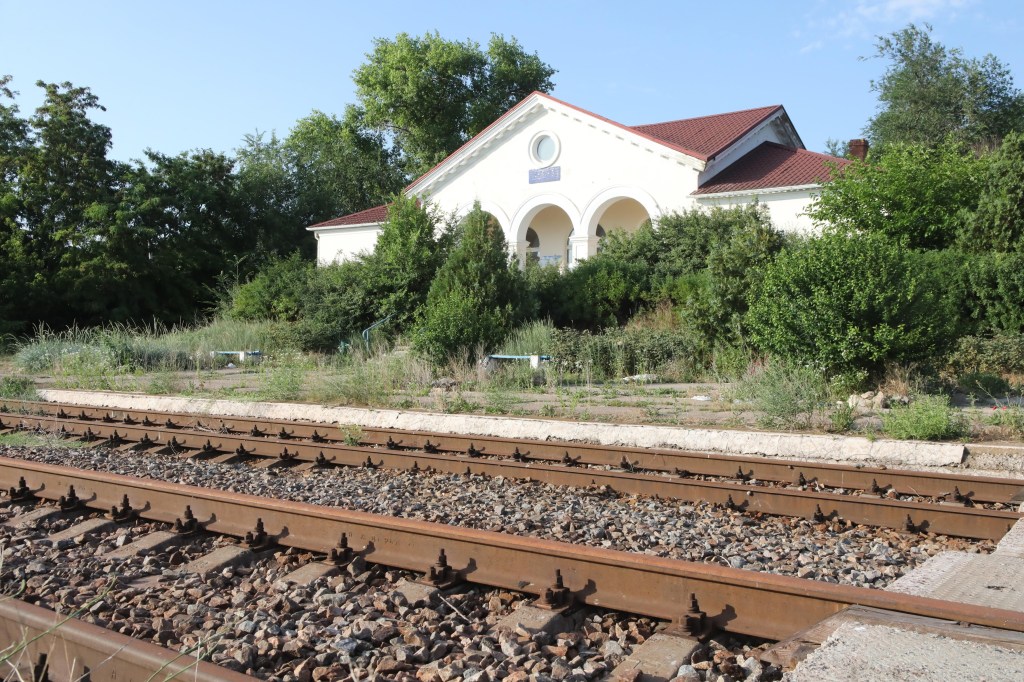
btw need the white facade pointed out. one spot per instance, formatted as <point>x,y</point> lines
<point>557,178</point>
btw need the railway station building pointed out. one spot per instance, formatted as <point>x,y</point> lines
<point>558,178</point>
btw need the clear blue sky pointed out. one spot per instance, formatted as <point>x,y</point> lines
<point>183,74</point>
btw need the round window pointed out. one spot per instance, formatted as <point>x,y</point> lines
<point>544,148</point>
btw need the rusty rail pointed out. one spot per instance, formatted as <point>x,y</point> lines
<point>952,519</point>
<point>922,483</point>
<point>38,644</point>
<point>760,604</point>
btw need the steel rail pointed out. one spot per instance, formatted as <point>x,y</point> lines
<point>920,483</point>
<point>40,644</point>
<point>747,602</point>
<point>952,519</point>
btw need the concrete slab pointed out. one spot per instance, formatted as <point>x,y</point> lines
<point>310,573</point>
<point>658,658</point>
<point>534,620</point>
<point>218,560</point>
<point>150,543</point>
<point>983,579</point>
<point>87,527</point>
<point>857,652</point>
<point>1012,543</point>
<point>30,518</point>
<point>788,653</point>
<point>416,594</point>
<point>787,445</point>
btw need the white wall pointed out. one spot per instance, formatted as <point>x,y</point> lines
<point>337,244</point>
<point>786,208</point>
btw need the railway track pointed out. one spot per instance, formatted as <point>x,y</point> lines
<point>965,506</point>
<point>732,600</point>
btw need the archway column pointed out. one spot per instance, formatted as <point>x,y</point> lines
<point>581,247</point>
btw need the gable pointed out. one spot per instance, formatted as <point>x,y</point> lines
<point>772,165</point>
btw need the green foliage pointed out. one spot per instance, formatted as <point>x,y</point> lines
<point>929,93</point>
<point>998,354</point>
<point>279,291</point>
<point>476,299</point>
<point>919,195</point>
<point>532,338</point>
<point>599,292</point>
<point>983,384</point>
<point>787,395</point>
<point>18,388</point>
<point>927,417</point>
<point>408,253</point>
<point>617,353</point>
<point>994,291</point>
<point>432,94</point>
<point>337,307</point>
<point>841,302</point>
<point>998,222</point>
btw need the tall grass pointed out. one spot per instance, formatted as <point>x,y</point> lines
<point>533,338</point>
<point>123,349</point>
<point>372,378</point>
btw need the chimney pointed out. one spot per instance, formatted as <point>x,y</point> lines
<point>858,149</point>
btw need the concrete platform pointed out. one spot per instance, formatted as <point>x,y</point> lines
<point>992,580</point>
<point>1012,543</point>
<point>812,447</point>
<point>857,652</point>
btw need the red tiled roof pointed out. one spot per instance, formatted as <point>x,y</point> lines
<point>773,165</point>
<point>708,135</point>
<point>377,214</point>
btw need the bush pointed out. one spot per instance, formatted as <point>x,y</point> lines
<point>599,292</point>
<point>279,291</point>
<point>928,417</point>
<point>844,302</point>
<point>18,388</point>
<point>618,353</point>
<point>999,354</point>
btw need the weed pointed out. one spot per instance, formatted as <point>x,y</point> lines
<point>18,388</point>
<point>927,417</point>
<point>457,404</point>
<point>25,439</point>
<point>282,378</point>
<point>985,383</point>
<point>788,396</point>
<point>351,435</point>
<point>1009,416</point>
<point>841,418</point>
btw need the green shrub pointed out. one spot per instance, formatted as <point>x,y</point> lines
<point>927,417</point>
<point>599,292</point>
<point>841,302</point>
<point>1000,354</point>
<point>279,291</point>
<point>477,297</point>
<point>617,353</point>
<point>983,384</point>
<point>787,395</point>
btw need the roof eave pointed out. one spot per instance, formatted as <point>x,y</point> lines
<point>758,191</point>
<point>320,228</point>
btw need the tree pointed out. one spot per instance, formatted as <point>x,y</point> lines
<point>17,270</point>
<point>431,95</point>
<point>477,296</point>
<point>929,93</point>
<point>998,222</point>
<point>919,195</point>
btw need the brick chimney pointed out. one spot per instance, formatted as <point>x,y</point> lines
<point>858,149</point>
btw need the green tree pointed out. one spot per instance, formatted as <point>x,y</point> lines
<point>407,255</point>
<point>845,302</point>
<point>998,222</point>
<point>929,93</point>
<point>431,95</point>
<point>16,272</point>
<point>919,195</point>
<point>477,296</point>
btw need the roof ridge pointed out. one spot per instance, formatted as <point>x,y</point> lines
<point>772,107</point>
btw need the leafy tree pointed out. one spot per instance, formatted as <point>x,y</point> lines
<point>998,222</point>
<point>477,296</point>
<point>919,195</point>
<point>18,267</point>
<point>431,95</point>
<point>405,259</point>
<point>845,302</point>
<point>929,93</point>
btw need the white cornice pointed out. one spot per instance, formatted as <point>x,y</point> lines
<point>756,192</point>
<point>340,228</point>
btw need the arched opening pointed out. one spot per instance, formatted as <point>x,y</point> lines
<point>549,230</point>
<point>622,214</point>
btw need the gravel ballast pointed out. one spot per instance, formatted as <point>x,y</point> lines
<point>832,552</point>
